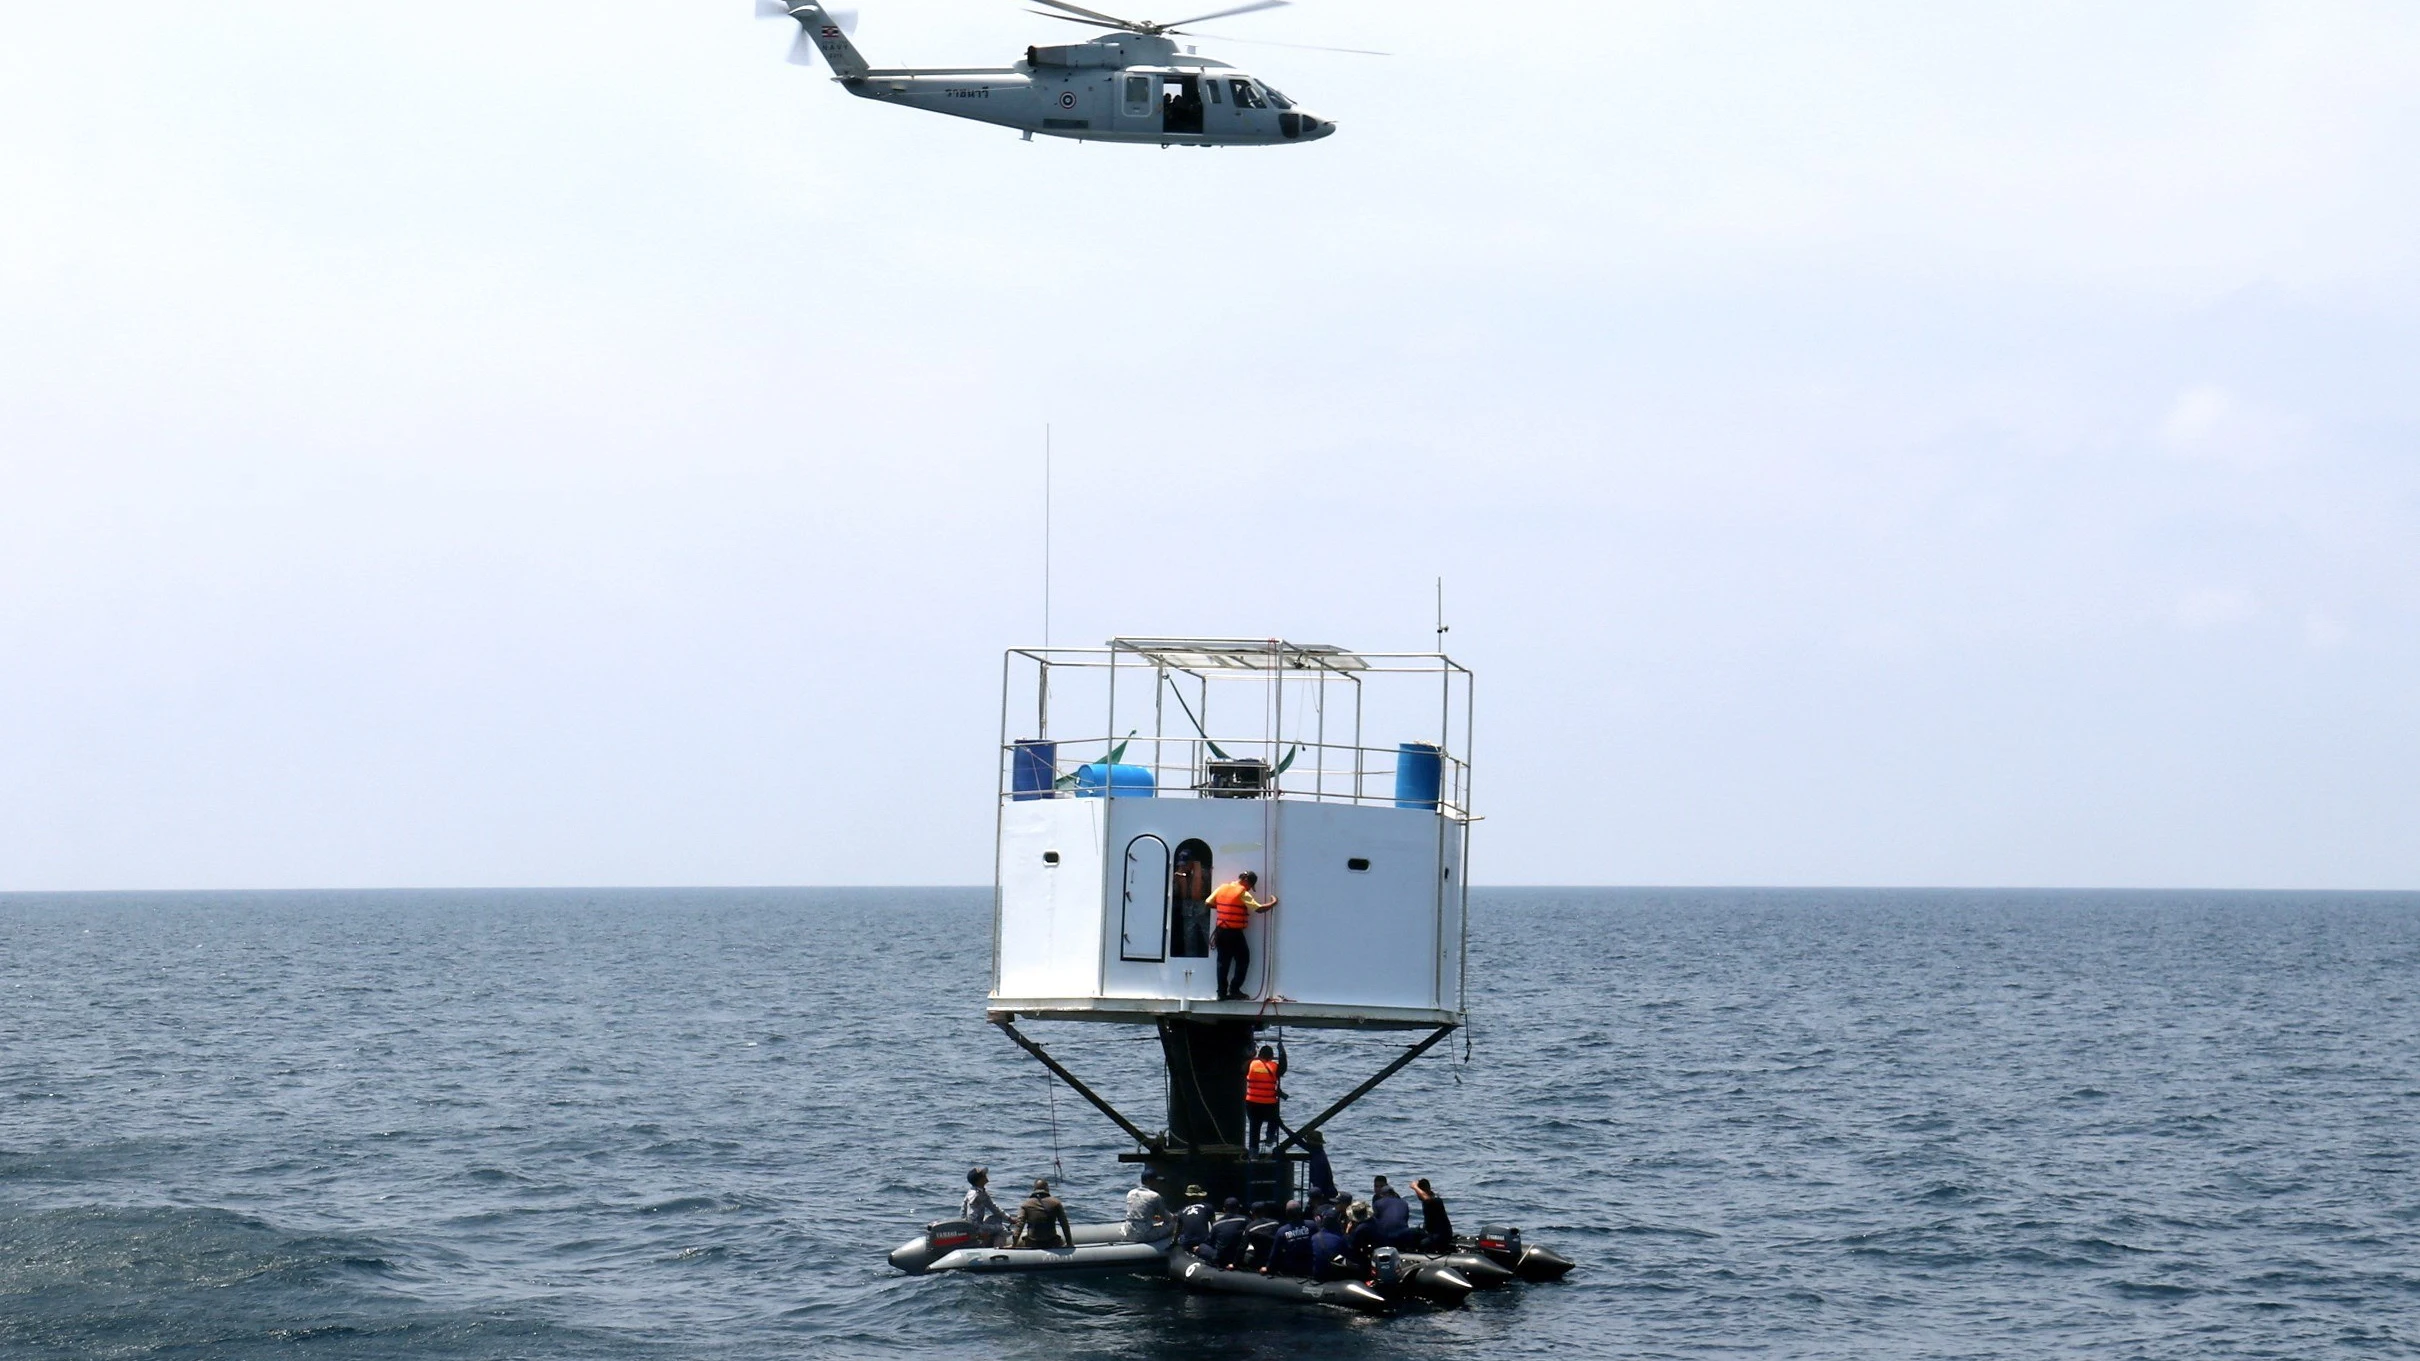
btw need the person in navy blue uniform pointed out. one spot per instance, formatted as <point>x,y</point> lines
<point>1323,1176</point>
<point>1226,1245</point>
<point>1390,1223</point>
<point>1290,1249</point>
<point>1331,1251</point>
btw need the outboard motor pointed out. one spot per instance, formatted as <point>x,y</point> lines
<point>1501,1242</point>
<point>941,1237</point>
<point>1386,1270</point>
<point>949,1235</point>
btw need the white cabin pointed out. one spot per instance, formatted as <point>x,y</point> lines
<point>1110,840</point>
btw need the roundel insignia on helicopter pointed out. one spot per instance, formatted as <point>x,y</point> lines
<point>1143,86</point>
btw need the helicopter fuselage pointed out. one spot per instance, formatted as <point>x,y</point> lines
<point>1121,87</point>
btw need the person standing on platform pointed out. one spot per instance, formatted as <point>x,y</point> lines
<point>1323,1175</point>
<point>1261,1095</point>
<point>1233,906</point>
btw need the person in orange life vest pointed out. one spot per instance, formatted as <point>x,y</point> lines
<point>1261,1096</point>
<point>1234,905</point>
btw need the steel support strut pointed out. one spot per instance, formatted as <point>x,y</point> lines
<point>1094,1097</point>
<point>1295,1136</point>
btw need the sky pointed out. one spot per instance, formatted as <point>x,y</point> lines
<point>1862,443</point>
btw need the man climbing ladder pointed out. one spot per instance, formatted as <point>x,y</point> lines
<point>1234,905</point>
<point>1261,1095</point>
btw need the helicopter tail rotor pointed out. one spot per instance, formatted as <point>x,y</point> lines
<point>819,30</point>
<point>782,9</point>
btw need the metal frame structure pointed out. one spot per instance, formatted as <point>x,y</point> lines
<point>1271,663</point>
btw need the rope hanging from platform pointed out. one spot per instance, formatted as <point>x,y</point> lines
<point>1050,1091</point>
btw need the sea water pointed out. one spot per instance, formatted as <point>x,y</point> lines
<point>684,1123</point>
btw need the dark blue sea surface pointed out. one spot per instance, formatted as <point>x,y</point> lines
<point>676,1123</point>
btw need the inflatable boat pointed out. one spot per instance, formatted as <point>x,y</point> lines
<point>1392,1281</point>
<point>953,1245</point>
<point>1197,1274</point>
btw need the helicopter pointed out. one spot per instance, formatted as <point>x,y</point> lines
<point>1130,84</point>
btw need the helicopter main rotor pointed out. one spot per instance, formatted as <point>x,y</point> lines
<point>1077,14</point>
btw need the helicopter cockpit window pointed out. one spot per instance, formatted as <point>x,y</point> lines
<point>1215,96</point>
<point>1275,98</point>
<point>1245,96</point>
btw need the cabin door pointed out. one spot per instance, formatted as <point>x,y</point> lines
<point>1189,891</point>
<point>1143,914</point>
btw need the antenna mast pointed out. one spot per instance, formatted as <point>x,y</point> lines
<point>1046,534</point>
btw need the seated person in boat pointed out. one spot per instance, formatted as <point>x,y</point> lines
<point>1290,1250</point>
<point>1331,1252</point>
<point>1436,1227</point>
<point>1147,1219</point>
<point>1390,1223</point>
<point>1042,1219</point>
<point>980,1210</point>
<point>1259,1232</point>
<point>1193,1222</point>
<point>1225,1246</point>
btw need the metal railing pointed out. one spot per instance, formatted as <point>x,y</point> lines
<point>1214,767</point>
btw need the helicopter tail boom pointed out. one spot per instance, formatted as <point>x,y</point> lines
<point>819,27</point>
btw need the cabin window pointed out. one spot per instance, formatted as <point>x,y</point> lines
<point>1215,96</point>
<point>1190,885</point>
<point>1245,96</point>
<point>1138,96</point>
<point>1358,865</point>
<point>1143,916</point>
<point>1050,857</point>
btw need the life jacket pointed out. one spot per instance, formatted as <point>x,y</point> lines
<point>1260,1082</point>
<point>1229,900</point>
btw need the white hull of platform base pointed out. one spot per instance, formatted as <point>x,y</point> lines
<point>1100,918</point>
<point>1131,1010</point>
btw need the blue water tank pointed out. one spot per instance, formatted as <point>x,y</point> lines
<point>1419,772</point>
<point>1033,769</point>
<point>1099,779</point>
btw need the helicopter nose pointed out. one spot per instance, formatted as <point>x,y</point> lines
<point>1314,127</point>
